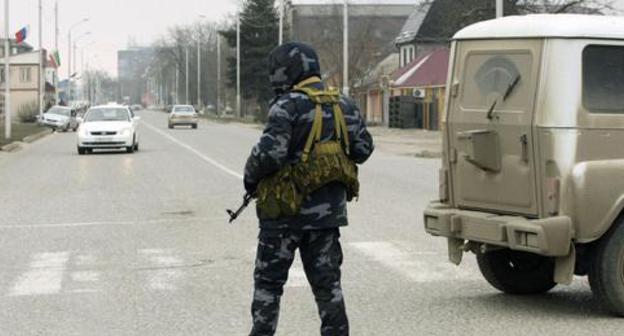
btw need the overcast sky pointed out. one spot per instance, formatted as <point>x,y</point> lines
<point>113,22</point>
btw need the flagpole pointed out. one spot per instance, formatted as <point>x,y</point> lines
<point>41,74</point>
<point>7,77</point>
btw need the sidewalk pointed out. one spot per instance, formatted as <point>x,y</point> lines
<point>408,142</point>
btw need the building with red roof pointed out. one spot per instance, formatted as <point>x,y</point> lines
<point>425,77</point>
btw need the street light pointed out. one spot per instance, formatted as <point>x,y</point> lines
<point>238,64</point>
<point>7,78</point>
<point>199,100</point>
<point>82,47</point>
<point>69,84</point>
<point>75,47</point>
<point>69,44</point>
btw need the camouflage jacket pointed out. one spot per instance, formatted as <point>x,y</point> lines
<point>289,123</point>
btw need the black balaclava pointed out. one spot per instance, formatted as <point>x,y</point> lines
<point>291,63</point>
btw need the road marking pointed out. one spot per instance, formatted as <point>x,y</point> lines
<point>194,151</point>
<point>45,275</point>
<point>105,223</point>
<point>418,266</point>
<point>166,278</point>
<point>85,276</point>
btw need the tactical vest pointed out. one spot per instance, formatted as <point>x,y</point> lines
<point>281,194</point>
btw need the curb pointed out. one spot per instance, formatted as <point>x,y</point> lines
<point>37,136</point>
<point>12,147</point>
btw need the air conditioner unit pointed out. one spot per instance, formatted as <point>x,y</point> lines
<point>419,93</point>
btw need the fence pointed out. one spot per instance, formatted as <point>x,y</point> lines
<point>412,112</point>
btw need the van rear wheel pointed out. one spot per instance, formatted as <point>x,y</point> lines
<point>515,272</point>
<point>606,274</point>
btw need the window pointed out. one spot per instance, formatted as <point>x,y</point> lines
<point>2,77</point>
<point>403,56</point>
<point>489,75</point>
<point>603,79</point>
<point>25,75</point>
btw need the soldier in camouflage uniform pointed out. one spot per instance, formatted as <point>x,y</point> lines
<point>315,231</point>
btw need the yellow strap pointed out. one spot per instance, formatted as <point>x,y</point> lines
<point>306,82</point>
<point>315,133</point>
<point>341,127</point>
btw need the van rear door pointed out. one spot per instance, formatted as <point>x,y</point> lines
<point>491,158</point>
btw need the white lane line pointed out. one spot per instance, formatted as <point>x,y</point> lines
<point>45,275</point>
<point>418,266</point>
<point>112,223</point>
<point>85,276</point>
<point>194,151</point>
<point>163,279</point>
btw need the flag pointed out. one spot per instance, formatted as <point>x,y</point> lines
<point>55,58</point>
<point>21,35</point>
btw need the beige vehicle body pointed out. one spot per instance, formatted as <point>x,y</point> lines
<point>533,138</point>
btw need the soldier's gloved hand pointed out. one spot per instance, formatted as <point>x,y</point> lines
<point>250,187</point>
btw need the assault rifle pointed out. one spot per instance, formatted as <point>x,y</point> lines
<point>234,214</point>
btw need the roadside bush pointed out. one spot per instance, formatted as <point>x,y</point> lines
<point>27,113</point>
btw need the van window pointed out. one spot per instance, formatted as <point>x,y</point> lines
<point>603,79</point>
<point>488,76</point>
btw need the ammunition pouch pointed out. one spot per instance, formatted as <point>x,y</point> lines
<point>281,194</point>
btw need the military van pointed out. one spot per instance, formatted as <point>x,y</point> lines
<point>532,177</point>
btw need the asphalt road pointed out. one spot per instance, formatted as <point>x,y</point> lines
<point>138,244</point>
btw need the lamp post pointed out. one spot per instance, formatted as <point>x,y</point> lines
<point>76,47</point>
<point>41,75</point>
<point>7,78</point>
<point>69,44</point>
<point>499,8</point>
<point>218,109</point>
<point>281,22</point>
<point>199,28</point>
<point>345,48</point>
<point>238,63</point>
<point>187,101</point>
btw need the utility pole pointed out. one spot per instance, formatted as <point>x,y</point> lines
<point>218,109</point>
<point>345,48</point>
<point>238,71</point>
<point>69,45</point>
<point>187,101</point>
<point>7,74</point>
<point>56,48</point>
<point>177,83</point>
<point>41,75</point>
<point>56,26</point>
<point>199,100</point>
<point>499,8</point>
<point>281,22</point>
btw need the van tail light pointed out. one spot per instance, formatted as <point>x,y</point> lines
<point>443,185</point>
<point>553,190</point>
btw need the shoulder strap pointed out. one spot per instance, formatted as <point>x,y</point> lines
<point>319,98</point>
<point>315,133</point>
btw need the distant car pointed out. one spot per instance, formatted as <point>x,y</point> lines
<point>60,118</point>
<point>108,127</point>
<point>136,107</point>
<point>183,115</point>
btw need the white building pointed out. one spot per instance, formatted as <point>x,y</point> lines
<point>24,72</point>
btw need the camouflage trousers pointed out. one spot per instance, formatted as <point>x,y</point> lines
<point>321,255</point>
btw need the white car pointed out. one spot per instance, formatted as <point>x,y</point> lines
<point>108,127</point>
<point>60,118</point>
